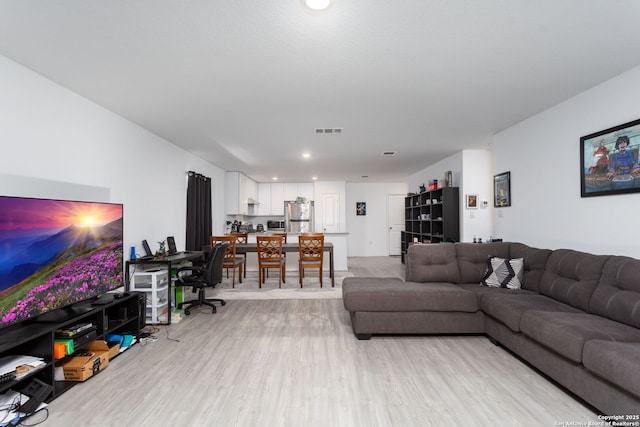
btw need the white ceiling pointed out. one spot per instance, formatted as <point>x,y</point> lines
<point>244,83</point>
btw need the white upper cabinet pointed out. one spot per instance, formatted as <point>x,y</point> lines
<point>277,199</point>
<point>293,190</point>
<point>240,190</point>
<point>271,198</point>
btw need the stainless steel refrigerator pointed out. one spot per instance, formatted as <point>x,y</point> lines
<point>298,217</point>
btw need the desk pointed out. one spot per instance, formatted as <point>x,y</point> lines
<point>153,288</point>
<point>244,248</point>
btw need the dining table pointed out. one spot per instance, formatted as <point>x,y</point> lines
<point>244,248</point>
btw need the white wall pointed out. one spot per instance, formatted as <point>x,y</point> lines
<point>543,155</point>
<point>368,234</point>
<point>453,163</point>
<point>53,135</point>
<point>477,179</point>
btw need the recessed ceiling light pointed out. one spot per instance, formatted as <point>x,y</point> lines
<point>275,178</point>
<point>314,178</point>
<point>317,4</point>
<point>306,155</point>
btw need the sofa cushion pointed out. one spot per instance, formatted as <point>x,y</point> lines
<point>503,273</point>
<point>571,277</point>
<point>365,294</point>
<point>534,263</point>
<point>432,263</point>
<point>472,259</point>
<point>509,308</point>
<point>566,333</point>
<point>481,291</point>
<point>616,362</point>
<point>617,295</point>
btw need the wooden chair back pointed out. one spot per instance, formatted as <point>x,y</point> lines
<point>270,256</point>
<point>241,237</point>
<point>230,253</point>
<point>311,253</point>
<point>269,248</point>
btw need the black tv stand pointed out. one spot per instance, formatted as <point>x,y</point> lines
<point>63,314</point>
<point>103,299</point>
<point>36,338</point>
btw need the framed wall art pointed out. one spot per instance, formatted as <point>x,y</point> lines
<point>361,208</point>
<point>502,190</point>
<point>609,161</point>
<point>472,201</point>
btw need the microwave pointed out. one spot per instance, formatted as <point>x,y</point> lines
<point>275,225</point>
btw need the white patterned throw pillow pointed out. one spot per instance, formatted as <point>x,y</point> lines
<point>504,273</point>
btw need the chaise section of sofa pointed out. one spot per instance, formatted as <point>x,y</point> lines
<point>391,306</point>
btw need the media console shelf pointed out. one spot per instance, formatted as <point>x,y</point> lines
<point>36,337</point>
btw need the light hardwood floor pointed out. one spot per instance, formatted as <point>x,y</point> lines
<point>297,363</point>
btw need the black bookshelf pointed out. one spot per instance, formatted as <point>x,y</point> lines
<point>431,217</point>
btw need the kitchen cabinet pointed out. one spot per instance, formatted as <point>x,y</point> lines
<point>271,198</point>
<point>264,197</point>
<point>277,199</point>
<point>293,190</point>
<point>240,190</point>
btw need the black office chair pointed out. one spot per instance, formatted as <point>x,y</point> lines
<point>201,278</point>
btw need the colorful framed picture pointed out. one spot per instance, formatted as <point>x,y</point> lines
<point>609,161</point>
<point>502,190</point>
<point>472,201</point>
<point>361,208</point>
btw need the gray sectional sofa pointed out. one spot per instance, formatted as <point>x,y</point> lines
<point>576,317</point>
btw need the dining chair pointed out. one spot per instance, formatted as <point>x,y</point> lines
<point>270,256</point>
<point>311,253</point>
<point>242,238</point>
<point>231,261</point>
<point>283,235</point>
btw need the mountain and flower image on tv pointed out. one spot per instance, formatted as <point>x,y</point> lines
<point>54,253</point>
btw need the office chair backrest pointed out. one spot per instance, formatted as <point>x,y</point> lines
<point>215,263</point>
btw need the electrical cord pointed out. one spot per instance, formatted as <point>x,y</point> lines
<point>168,337</point>
<point>43,411</point>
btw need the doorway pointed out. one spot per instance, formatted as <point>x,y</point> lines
<point>395,221</point>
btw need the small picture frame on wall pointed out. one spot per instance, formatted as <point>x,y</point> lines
<point>502,190</point>
<point>361,208</point>
<point>472,201</point>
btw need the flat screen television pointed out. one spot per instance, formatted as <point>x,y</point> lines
<point>55,253</point>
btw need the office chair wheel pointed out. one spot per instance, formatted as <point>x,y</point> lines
<point>223,303</point>
<point>187,312</point>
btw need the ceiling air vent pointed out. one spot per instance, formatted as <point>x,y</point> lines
<point>328,130</point>
<point>388,153</point>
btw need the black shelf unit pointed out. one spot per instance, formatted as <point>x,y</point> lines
<point>431,217</point>
<point>36,337</point>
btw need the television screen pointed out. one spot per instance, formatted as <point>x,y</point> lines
<point>54,253</point>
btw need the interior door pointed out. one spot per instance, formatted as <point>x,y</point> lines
<point>330,213</point>
<point>395,220</point>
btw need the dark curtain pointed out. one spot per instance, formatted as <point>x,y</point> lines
<point>198,211</point>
